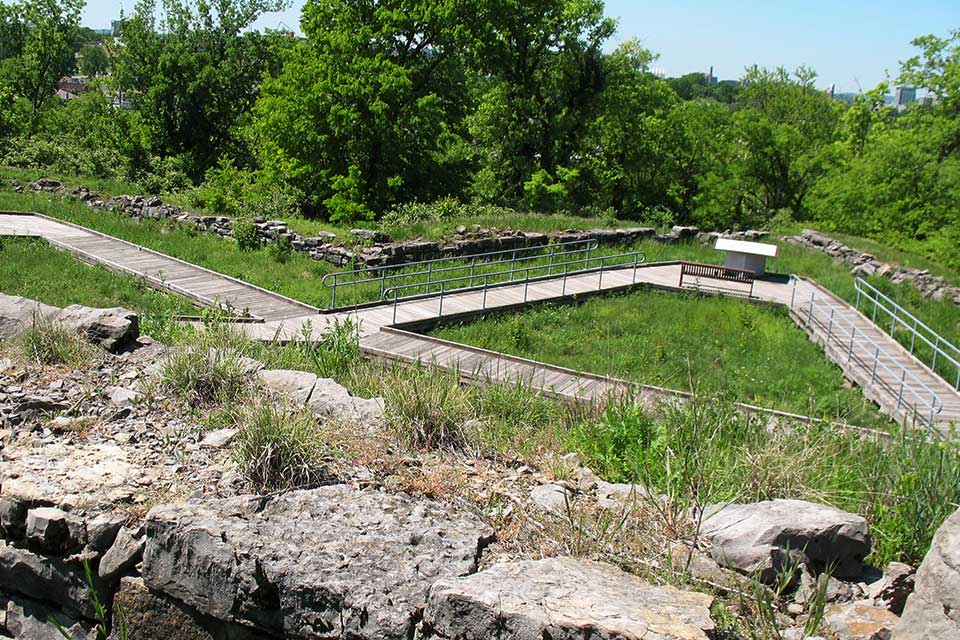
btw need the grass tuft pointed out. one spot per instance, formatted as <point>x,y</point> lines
<point>202,374</point>
<point>50,343</point>
<point>277,449</point>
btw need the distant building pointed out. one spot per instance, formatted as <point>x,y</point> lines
<point>711,79</point>
<point>115,26</point>
<point>904,96</point>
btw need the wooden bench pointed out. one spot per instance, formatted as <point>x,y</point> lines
<point>720,273</point>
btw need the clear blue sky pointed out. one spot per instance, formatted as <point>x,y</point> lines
<point>844,41</point>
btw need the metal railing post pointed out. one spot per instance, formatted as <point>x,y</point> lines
<point>635,269</point>
<point>526,284</point>
<point>793,293</point>
<point>333,293</point>
<point>440,310</point>
<point>852,335</point>
<point>830,326</point>
<point>893,321</point>
<point>396,299</point>
<point>600,279</point>
<point>903,376</point>
<point>429,276</point>
<point>876,360</point>
<point>486,280</point>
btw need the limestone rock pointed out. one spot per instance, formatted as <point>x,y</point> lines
<point>295,385</point>
<point>92,476</point>
<point>113,329</point>
<point>218,438</point>
<point>152,616</point>
<point>122,397</point>
<point>54,531</point>
<point>124,554</point>
<point>753,538</point>
<point>23,618</point>
<point>18,313</point>
<point>327,562</point>
<point>549,497</point>
<point>893,589</point>
<point>933,610</point>
<point>45,578</point>
<point>102,530</point>
<point>331,399</point>
<point>325,397</point>
<point>859,622</point>
<point>563,598</point>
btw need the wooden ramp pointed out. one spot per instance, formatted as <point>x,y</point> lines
<point>202,286</point>
<point>887,373</point>
<point>901,385</point>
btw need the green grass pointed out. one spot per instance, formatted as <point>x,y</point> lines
<point>33,269</point>
<point>680,341</point>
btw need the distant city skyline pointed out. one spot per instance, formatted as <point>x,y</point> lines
<point>852,45</point>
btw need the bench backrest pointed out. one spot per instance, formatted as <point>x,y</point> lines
<point>716,272</point>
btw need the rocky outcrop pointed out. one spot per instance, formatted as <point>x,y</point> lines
<point>113,329</point>
<point>17,313</point>
<point>757,538</point>
<point>933,611</point>
<point>563,598</point>
<point>327,562</point>
<point>325,397</point>
<point>865,265</point>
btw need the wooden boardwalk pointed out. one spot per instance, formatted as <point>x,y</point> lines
<point>202,286</point>
<point>900,384</point>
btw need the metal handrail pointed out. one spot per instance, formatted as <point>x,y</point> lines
<point>333,280</point>
<point>393,293</point>
<point>867,344</point>
<point>900,316</point>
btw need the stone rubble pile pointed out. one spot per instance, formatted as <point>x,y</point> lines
<point>865,265</point>
<point>369,248</point>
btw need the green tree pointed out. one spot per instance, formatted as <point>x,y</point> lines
<point>93,60</point>
<point>39,41</point>
<point>195,75</point>
<point>783,132</point>
<point>366,112</point>
<point>897,178</point>
<point>630,143</point>
<point>541,64</point>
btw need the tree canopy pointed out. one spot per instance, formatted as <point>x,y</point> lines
<point>512,103</point>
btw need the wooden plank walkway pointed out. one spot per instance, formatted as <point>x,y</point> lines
<point>201,286</point>
<point>899,383</point>
<point>885,370</point>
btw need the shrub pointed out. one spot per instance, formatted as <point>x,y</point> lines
<point>48,342</point>
<point>277,449</point>
<point>202,374</point>
<point>245,233</point>
<point>280,249</point>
